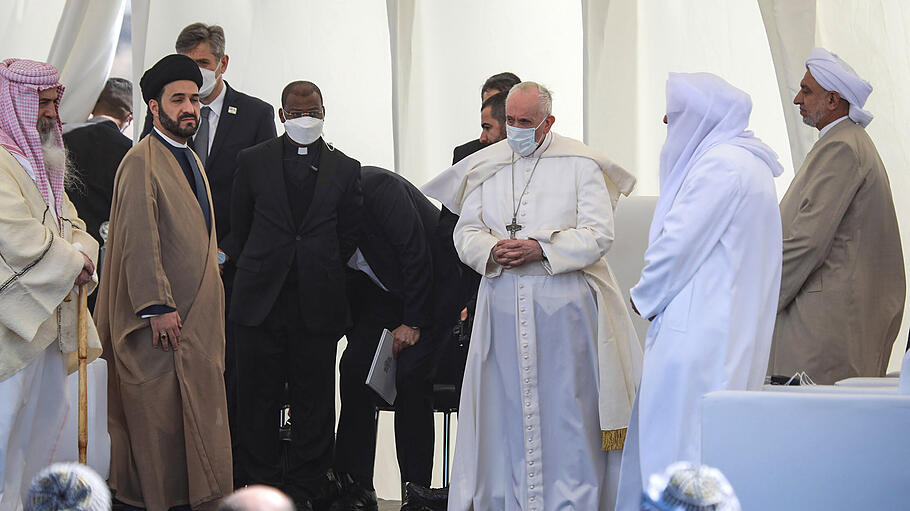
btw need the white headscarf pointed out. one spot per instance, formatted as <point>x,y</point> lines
<point>703,111</point>
<point>833,74</point>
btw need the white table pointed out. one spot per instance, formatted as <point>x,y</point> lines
<point>829,448</point>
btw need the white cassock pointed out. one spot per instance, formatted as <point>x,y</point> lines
<point>711,281</point>
<point>529,435</point>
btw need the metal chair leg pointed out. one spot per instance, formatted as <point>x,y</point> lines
<point>445,447</point>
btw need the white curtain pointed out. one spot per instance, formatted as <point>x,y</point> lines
<point>83,50</point>
<point>611,79</point>
<point>27,28</point>
<point>790,27</point>
<point>455,46</point>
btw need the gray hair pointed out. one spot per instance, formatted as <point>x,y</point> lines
<point>192,35</point>
<point>544,96</point>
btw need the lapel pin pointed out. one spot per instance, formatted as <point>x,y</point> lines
<point>232,109</point>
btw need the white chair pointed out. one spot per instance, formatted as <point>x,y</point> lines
<point>832,449</point>
<point>867,382</point>
<point>627,256</point>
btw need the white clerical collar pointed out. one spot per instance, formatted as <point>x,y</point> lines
<point>827,128</point>
<point>217,104</point>
<point>169,139</point>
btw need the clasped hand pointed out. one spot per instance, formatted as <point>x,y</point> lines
<point>88,269</point>
<point>511,253</point>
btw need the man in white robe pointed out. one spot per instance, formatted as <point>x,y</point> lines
<point>45,253</point>
<point>711,276</point>
<point>554,358</point>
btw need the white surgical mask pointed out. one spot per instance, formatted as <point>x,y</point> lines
<point>304,130</point>
<point>208,81</point>
<point>521,140</point>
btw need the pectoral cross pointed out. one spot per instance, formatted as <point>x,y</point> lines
<point>513,228</point>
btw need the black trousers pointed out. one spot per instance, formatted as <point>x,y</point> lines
<point>355,445</point>
<point>283,351</point>
<point>230,373</point>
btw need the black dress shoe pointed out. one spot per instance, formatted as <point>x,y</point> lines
<point>418,498</point>
<point>354,497</point>
<point>116,505</point>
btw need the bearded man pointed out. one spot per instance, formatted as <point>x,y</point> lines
<point>842,288</point>
<point>45,253</point>
<point>160,311</point>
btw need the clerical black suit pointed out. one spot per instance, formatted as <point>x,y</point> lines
<point>243,122</point>
<point>295,219</point>
<point>95,148</point>
<point>399,245</point>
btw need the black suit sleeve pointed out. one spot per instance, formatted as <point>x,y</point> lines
<point>265,130</point>
<point>241,208</point>
<point>400,225</point>
<point>266,127</point>
<point>349,212</point>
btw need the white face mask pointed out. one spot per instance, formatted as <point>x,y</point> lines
<point>522,140</point>
<point>208,81</point>
<point>304,130</point>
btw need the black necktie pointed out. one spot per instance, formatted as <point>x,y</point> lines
<point>201,196</point>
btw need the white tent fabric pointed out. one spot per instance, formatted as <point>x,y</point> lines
<point>27,28</point>
<point>454,46</point>
<point>83,51</point>
<point>790,27</point>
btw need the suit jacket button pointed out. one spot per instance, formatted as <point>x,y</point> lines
<point>299,237</point>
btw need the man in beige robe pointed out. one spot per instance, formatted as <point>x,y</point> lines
<point>160,310</point>
<point>44,253</point>
<point>842,285</point>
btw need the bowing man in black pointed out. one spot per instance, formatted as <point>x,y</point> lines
<point>402,279</point>
<point>96,148</point>
<point>295,210</point>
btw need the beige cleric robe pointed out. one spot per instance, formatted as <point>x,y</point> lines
<point>842,285</point>
<point>38,266</point>
<point>167,413</point>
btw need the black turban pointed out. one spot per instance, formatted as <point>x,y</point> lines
<point>169,69</point>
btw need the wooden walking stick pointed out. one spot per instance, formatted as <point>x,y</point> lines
<point>82,320</point>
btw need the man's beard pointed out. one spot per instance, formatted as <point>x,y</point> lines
<point>173,125</point>
<point>55,156</point>
<point>812,118</point>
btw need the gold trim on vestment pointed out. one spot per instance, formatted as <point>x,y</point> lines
<point>613,440</point>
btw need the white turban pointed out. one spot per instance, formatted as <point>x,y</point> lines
<point>687,487</point>
<point>833,74</point>
<point>68,486</point>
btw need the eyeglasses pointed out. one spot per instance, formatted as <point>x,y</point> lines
<point>309,113</point>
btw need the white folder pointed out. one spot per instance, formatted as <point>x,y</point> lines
<point>381,377</point>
